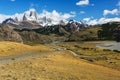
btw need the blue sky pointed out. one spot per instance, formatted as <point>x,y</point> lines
<point>90,9</point>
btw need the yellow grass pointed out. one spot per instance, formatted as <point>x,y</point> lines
<point>13,48</point>
<point>95,55</point>
<point>59,65</point>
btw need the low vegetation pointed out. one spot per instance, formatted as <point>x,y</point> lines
<point>89,52</point>
<point>61,65</point>
<point>110,31</point>
<point>92,64</point>
<point>13,48</point>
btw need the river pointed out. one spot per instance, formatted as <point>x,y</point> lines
<point>109,45</point>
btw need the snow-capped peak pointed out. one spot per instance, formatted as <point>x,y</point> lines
<point>30,15</point>
<point>44,18</point>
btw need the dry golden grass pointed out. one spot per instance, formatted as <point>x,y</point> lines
<point>13,48</point>
<point>94,55</point>
<point>61,65</point>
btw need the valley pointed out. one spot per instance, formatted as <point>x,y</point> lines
<point>53,46</point>
<point>58,53</point>
<point>50,64</point>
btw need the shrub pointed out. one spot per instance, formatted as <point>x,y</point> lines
<point>116,51</point>
<point>13,59</point>
<point>106,50</point>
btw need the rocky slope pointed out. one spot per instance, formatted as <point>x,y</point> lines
<point>8,34</point>
<point>27,31</point>
<point>110,31</point>
<point>24,25</point>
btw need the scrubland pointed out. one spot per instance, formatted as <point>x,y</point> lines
<point>59,64</point>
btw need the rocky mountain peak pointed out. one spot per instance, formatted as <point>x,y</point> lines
<point>9,20</point>
<point>30,15</point>
<point>76,25</point>
<point>33,14</point>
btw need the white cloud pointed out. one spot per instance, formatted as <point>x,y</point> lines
<point>82,2</point>
<point>73,12</point>
<point>3,17</point>
<point>54,16</point>
<point>92,22</point>
<point>112,12</point>
<point>102,21</point>
<point>86,19</point>
<point>82,12</point>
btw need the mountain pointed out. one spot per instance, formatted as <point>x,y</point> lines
<point>24,25</point>
<point>75,25</point>
<point>9,20</point>
<point>8,34</point>
<point>33,32</point>
<point>31,15</point>
<point>29,21</point>
<point>110,31</point>
<point>44,19</point>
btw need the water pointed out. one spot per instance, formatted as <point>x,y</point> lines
<point>109,45</point>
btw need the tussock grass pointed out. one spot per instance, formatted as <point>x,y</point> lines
<point>94,55</point>
<point>13,48</point>
<point>61,65</point>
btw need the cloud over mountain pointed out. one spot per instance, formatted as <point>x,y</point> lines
<point>45,17</point>
<point>55,16</point>
<point>90,21</point>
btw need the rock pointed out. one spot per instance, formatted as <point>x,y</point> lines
<point>8,34</point>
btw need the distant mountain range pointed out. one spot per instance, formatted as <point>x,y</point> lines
<point>32,32</point>
<point>31,27</point>
<point>32,20</point>
<point>31,16</point>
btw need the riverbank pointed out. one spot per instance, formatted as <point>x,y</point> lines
<point>88,51</point>
<point>111,45</point>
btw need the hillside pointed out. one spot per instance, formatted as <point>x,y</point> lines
<point>88,34</point>
<point>8,34</point>
<point>59,33</point>
<point>13,49</point>
<point>89,52</point>
<point>69,32</point>
<point>59,40</point>
<point>110,31</point>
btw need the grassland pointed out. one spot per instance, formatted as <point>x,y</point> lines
<point>13,48</point>
<point>58,65</point>
<point>61,65</point>
<point>89,52</point>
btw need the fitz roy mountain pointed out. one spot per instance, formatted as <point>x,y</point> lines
<point>31,20</point>
<point>32,16</point>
